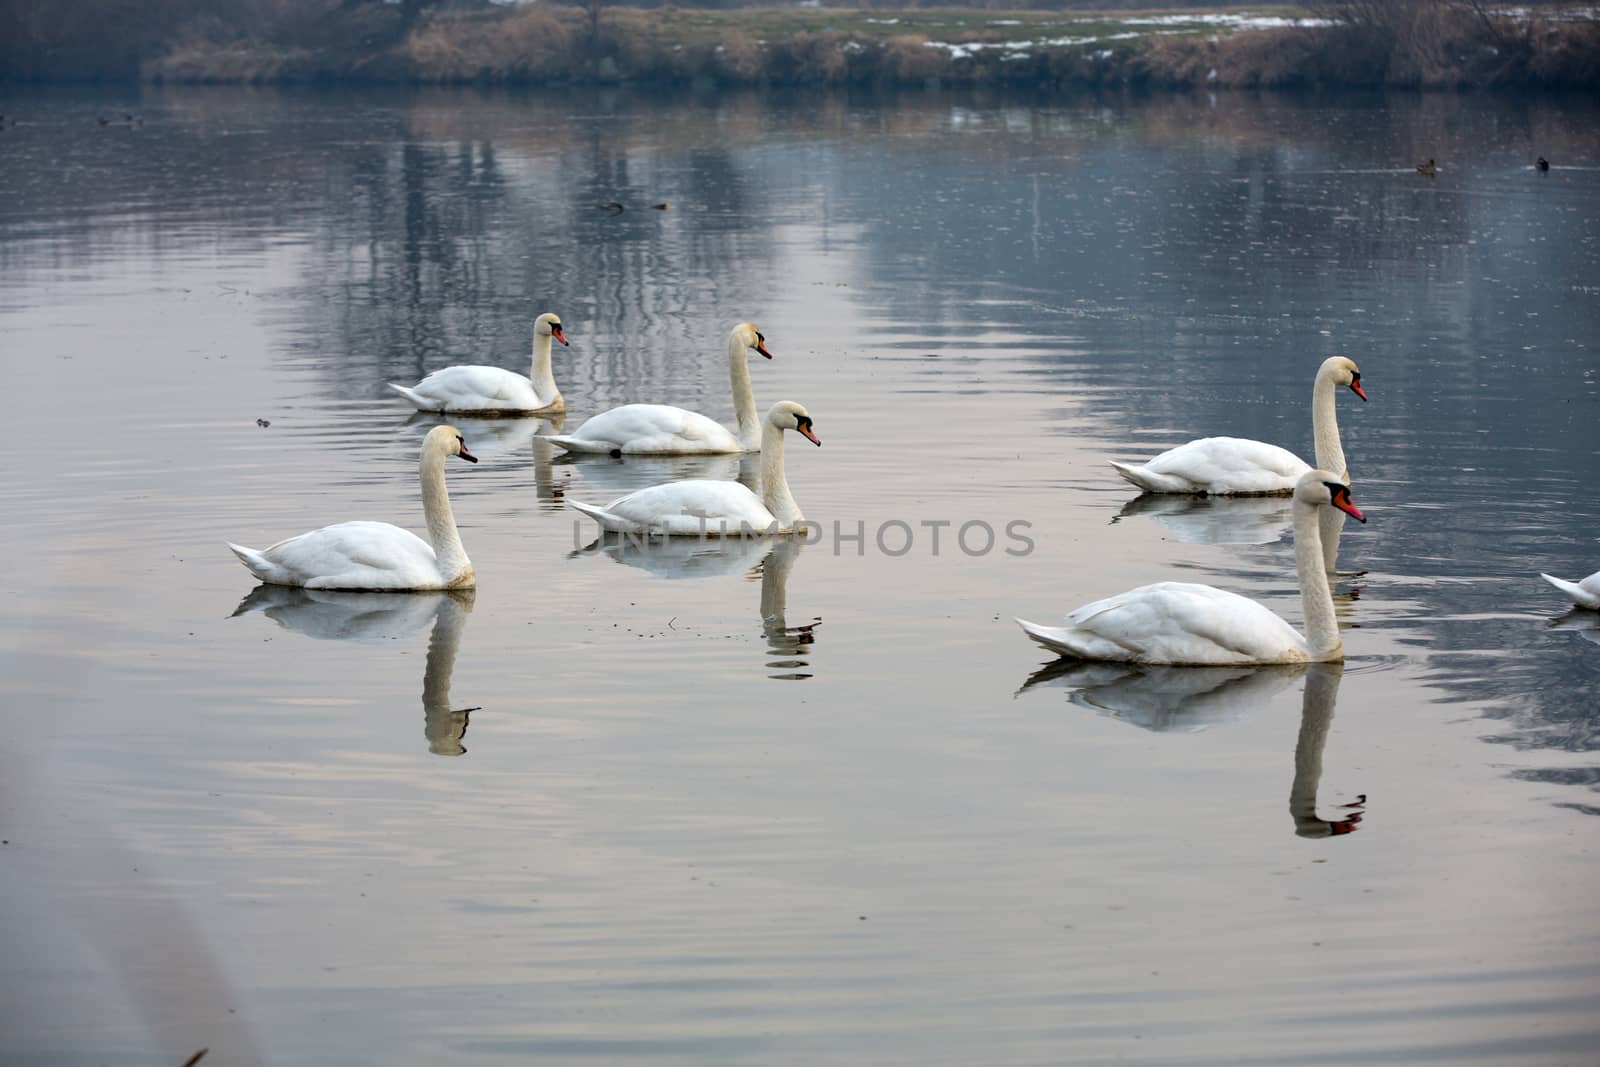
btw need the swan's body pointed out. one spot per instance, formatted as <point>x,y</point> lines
<point>376,555</point>
<point>1219,466</point>
<point>1583,594</point>
<point>1236,466</point>
<point>1184,624</point>
<point>701,508</point>
<point>664,430</point>
<point>480,390</point>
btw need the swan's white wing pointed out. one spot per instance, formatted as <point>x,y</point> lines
<point>1229,465</point>
<point>478,388</point>
<point>650,428</point>
<point>1176,623</point>
<point>687,508</point>
<point>351,555</point>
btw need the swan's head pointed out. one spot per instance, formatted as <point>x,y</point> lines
<point>787,415</point>
<point>1344,372</point>
<point>1320,487</point>
<point>549,325</point>
<point>747,334</point>
<point>447,439</point>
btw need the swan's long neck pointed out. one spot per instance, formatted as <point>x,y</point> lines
<point>543,378</point>
<point>1330,524</point>
<point>1316,717</point>
<point>774,484</point>
<point>1325,425</point>
<point>453,562</point>
<point>744,396</point>
<point>1316,597</point>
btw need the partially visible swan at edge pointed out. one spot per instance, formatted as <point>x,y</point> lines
<point>376,555</point>
<point>701,508</point>
<point>1584,593</point>
<point>480,390</point>
<point>1184,624</point>
<point>663,430</point>
<point>1236,466</point>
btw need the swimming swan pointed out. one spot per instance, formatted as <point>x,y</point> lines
<point>710,508</point>
<point>1234,466</point>
<point>663,430</point>
<point>376,555</point>
<point>1184,624</point>
<point>478,390</point>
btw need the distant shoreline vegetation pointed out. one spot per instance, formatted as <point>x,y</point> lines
<point>1414,43</point>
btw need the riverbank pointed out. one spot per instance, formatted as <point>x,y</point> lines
<point>1413,43</point>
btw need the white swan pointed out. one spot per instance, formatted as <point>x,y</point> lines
<point>663,430</point>
<point>1583,594</point>
<point>702,508</point>
<point>376,555</point>
<point>478,390</point>
<point>1234,466</point>
<point>1183,624</point>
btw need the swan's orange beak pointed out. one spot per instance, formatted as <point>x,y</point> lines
<point>555,331</point>
<point>1341,500</point>
<point>1355,387</point>
<point>761,346</point>
<point>810,435</point>
<point>464,454</point>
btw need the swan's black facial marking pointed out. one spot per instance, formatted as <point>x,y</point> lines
<point>803,424</point>
<point>761,344</point>
<point>1339,497</point>
<point>1355,384</point>
<point>463,453</point>
<point>555,331</point>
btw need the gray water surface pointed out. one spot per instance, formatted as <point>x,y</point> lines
<point>794,804</point>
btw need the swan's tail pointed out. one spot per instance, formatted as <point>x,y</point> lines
<point>580,444</point>
<point>1150,481</point>
<point>254,562</point>
<point>1574,592</point>
<point>607,521</point>
<point>416,399</point>
<point>1057,639</point>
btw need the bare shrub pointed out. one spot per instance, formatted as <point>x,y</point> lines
<point>738,58</point>
<point>529,43</point>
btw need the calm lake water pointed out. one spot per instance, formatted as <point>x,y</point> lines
<point>823,803</point>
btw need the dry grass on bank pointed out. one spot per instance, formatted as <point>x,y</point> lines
<point>1407,43</point>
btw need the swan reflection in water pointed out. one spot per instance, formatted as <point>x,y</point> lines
<point>767,560</point>
<point>1214,520</point>
<point>372,617</point>
<point>1190,699</point>
<point>1584,622</point>
<point>505,437</point>
<point>488,437</point>
<point>608,477</point>
<point>1232,520</point>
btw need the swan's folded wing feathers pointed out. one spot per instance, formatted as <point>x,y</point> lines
<point>1181,622</point>
<point>1231,464</point>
